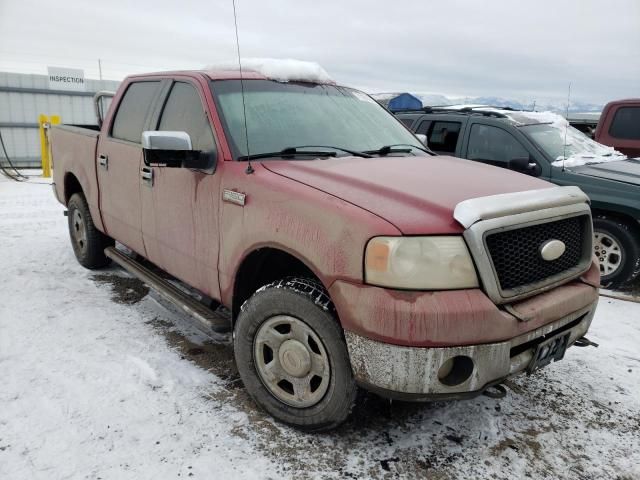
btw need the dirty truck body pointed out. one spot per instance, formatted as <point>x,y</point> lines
<point>412,275</point>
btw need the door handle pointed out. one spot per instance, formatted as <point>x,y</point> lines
<point>146,174</point>
<point>103,160</point>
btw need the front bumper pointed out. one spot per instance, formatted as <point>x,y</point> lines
<point>410,373</point>
<point>399,340</point>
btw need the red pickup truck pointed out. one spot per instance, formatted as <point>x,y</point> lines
<point>619,126</point>
<point>345,252</point>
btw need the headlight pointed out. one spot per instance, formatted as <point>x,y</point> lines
<point>419,263</point>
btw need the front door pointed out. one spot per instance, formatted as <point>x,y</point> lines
<point>119,157</point>
<point>180,206</point>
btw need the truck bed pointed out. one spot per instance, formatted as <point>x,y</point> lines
<point>73,153</point>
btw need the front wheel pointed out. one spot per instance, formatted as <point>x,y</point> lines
<point>617,247</point>
<point>292,357</point>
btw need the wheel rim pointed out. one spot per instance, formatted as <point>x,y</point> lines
<point>291,361</point>
<point>79,231</point>
<point>609,252</point>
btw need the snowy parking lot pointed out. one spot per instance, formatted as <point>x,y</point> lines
<point>100,379</point>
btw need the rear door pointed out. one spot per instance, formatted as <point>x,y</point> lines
<point>180,206</point>
<point>118,165</point>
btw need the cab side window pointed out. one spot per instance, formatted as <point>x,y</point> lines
<point>133,110</point>
<point>626,123</point>
<point>493,145</point>
<point>443,136</point>
<point>423,127</point>
<point>407,122</point>
<point>184,112</point>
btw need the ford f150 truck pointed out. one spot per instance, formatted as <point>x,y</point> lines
<point>541,144</point>
<point>345,253</point>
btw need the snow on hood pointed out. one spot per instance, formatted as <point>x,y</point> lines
<point>280,69</point>
<point>581,150</point>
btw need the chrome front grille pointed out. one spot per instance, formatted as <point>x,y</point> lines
<point>516,257</point>
<point>506,249</point>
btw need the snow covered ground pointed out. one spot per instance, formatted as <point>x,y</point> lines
<point>101,380</point>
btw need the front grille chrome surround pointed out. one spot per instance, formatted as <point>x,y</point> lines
<point>491,273</point>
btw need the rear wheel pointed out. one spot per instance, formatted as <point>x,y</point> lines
<point>292,357</point>
<point>617,247</point>
<point>87,241</point>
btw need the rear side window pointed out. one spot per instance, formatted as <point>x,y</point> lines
<point>423,127</point>
<point>626,123</point>
<point>132,111</point>
<point>443,136</point>
<point>407,122</point>
<point>493,145</point>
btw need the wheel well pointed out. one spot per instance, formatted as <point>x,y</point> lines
<point>619,217</point>
<point>71,186</point>
<point>264,266</point>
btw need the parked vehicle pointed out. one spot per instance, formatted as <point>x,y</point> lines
<point>619,126</point>
<point>534,143</point>
<point>585,122</point>
<point>345,253</point>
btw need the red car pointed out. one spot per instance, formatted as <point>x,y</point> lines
<point>346,253</point>
<point>619,126</point>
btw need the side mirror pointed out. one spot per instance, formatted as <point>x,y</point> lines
<point>423,138</point>
<point>171,150</point>
<point>524,165</point>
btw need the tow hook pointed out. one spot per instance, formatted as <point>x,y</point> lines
<point>585,342</point>
<point>495,391</point>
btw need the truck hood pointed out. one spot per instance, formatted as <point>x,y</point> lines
<point>627,171</point>
<point>416,194</point>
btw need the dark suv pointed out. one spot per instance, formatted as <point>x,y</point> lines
<point>542,144</point>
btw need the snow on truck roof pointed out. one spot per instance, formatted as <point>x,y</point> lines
<point>281,70</point>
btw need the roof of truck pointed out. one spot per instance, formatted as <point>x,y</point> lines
<point>282,70</point>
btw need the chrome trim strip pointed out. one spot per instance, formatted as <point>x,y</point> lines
<point>475,237</point>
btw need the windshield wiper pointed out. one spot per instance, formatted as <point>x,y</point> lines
<point>355,153</point>
<point>296,151</point>
<point>288,152</point>
<point>387,149</point>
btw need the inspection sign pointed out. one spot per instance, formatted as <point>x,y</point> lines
<point>66,79</point>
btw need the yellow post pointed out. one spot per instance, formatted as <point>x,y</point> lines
<point>54,120</point>
<point>44,146</point>
<point>45,124</point>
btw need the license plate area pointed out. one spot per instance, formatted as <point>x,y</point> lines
<point>550,350</point>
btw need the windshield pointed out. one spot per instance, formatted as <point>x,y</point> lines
<point>580,149</point>
<point>284,115</point>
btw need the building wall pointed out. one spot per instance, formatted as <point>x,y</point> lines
<point>19,111</point>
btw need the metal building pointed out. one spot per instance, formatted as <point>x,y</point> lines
<point>24,96</point>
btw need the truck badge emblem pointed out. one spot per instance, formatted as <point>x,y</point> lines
<point>232,196</point>
<point>552,250</point>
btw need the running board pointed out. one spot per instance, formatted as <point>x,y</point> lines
<point>207,318</point>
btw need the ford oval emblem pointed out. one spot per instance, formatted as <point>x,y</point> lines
<point>552,250</point>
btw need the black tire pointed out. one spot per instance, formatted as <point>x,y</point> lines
<point>87,241</point>
<point>304,300</point>
<point>622,238</point>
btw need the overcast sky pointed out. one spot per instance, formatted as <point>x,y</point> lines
<point>524,50</point>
